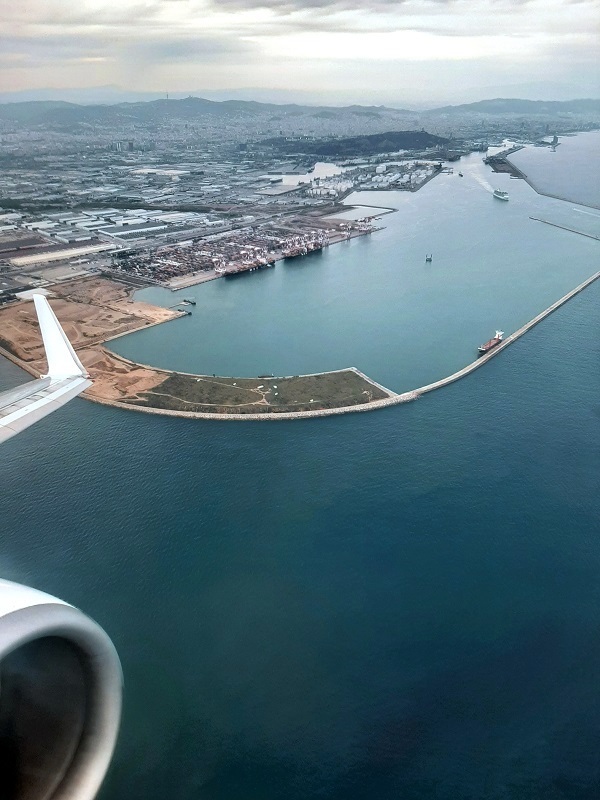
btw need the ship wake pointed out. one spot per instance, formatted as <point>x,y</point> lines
<point>482,182</point>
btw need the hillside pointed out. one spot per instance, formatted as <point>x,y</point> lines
<point>191,108</point>
<point>389,142</point>
<point>524,107</point>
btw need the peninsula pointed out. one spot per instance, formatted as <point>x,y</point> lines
<point>91,310</point>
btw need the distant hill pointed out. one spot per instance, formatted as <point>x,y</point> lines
<point>189,108</point>
<point>354,146</point>
<point>32,111</point>
<point>65,114</point>
<point>525,107</point>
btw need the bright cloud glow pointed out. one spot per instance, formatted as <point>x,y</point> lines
<point>394,46</point>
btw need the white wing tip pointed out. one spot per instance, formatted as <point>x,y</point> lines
<point>63,362</point>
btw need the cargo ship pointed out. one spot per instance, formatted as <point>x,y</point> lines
<point>485,348</point>
<point>500,194</point>
<point>242,268</point>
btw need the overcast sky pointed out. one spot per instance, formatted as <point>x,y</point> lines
<point>359,50</point>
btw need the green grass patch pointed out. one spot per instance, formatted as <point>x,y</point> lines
<point>259,395</point>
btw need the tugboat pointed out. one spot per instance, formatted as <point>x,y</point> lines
<point>485,348</point>
<point>500,194</point>
<point>428,259</point>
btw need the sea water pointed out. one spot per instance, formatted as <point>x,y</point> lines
<point>374,302</point>
<point>399,604</point>
<point>569,170</point>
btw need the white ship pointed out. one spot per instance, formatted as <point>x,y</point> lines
<point>500,194</point>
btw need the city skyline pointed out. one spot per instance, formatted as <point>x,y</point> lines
<point>316,50</point>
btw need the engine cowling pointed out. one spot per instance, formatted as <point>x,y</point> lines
<point>60,698</point>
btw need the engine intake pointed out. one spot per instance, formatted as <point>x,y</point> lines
<point>60,698</point>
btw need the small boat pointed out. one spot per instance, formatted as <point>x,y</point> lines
<point>500,194</point>
<point>460,175</point>
<point>428,259</point>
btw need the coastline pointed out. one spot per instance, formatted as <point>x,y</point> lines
<point>392,399</point>
<point>96,311</point>
<point>125,384</point>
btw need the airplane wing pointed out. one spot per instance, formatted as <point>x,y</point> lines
<point>66,378</point>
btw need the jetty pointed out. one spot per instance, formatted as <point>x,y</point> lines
<point>375,395</point>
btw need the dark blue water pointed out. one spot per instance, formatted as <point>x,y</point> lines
<point>401,604</point>
<point>395,605</point>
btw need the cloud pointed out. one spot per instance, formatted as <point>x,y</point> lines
<point>35,51</point>
<point>39,14</point>
<point>274,17</point>
<point>290,6</point>
<point>240,41</point>
<point>193,50</point>
<point>47,31</point>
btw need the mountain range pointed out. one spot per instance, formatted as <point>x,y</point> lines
<point>62,113</point>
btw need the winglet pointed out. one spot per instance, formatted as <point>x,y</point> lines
<point>62,359</point>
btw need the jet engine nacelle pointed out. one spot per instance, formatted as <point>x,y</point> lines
<point>60,698</point>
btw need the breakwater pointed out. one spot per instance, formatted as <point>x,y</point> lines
<point>506,342</point>
<point>564,228</point>
<point>392,399</point>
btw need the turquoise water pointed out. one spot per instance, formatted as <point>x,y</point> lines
<point>401,604</point>
<point>373,302</point>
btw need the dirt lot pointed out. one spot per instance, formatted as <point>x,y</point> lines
<point>90,310</point>
<point>115,379</point>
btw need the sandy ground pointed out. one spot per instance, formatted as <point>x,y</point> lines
<point>115,379</point>
<point>91,310</point>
